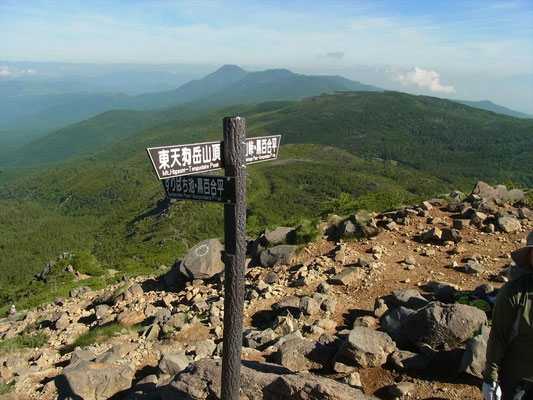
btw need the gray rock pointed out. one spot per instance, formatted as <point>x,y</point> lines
<point>285,324</point>
<point>441,325</point>
<point>278,235</point>
<point>277,255</point>
<point>309,306</point>
<point>451,235</point>
<point>324,288</point>
<point>292,304</point>
<point>474,357</point>
<point>380,308</point>
<point>348,228</point>
<point>304,354</point>
<point>162,315</point>
<point>204,260</point>
<point>444,292</point>
<point>203,348</point>
<point>14,363</point>
<point>525,213</point>
<point>498,193</point>
<point>473,267</point>
<point>271,278</point>
<point>409,298</point>
<point>78,291</point>
<point>86,354</point>
<point>172,277</point>
<point>171,364</point>
<point>461,223</point>
<point>402,389</point>
<point>365,348</point>
<point>176,320</point>
<point>403,359</point>
<point>344,277</point>
<point>259,381</point>
<point>94,381</point>
<point>255,338</point>
<point>509,224</point>
<point>62,322</point>
<point>432,235</point>
<point>102,311</point>
<point>152,333</point>
<point>393,322</point>
<point>329,305</point>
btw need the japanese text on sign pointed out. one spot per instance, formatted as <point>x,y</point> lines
<point>188,159</point>
<point>215,188</point>
<point>172,161</point>
<point>262,148</point>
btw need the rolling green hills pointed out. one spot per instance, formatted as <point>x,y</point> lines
<point>382,149</point>
<point>30,107</point>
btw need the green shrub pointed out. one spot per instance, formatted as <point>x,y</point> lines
<point>99,334</point>
<point>86,263</point>
<point>23,342</point>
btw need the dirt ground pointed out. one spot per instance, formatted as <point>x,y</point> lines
<point>433,263</point>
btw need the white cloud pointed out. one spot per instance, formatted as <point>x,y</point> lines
<point>424,79</point>
<point>5,71</point>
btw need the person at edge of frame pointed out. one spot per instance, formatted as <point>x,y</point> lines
<point>508,373</point>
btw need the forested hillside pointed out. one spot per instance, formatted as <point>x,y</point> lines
<point>340,153</point>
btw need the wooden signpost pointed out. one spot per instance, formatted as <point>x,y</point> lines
<point>174,165</point>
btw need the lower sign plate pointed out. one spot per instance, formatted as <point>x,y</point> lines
<point>219,189</point>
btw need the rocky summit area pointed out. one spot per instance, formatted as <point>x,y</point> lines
<point>390,306</point>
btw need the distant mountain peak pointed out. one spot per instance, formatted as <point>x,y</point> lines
<point>230,68</point>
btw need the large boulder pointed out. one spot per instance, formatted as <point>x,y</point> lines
<point>440,325</point>
<point>93,381</point>
<point>365,348</point>
<point>304,354</point>
<point>277,255</point>
<point>201,380</point>
<point>204,260</point>
<point>497,193</point>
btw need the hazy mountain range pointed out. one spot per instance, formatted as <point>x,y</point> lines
<point>32,107</point>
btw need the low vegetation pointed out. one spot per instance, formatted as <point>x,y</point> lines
<point>27,341</point>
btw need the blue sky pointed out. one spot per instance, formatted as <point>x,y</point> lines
<point>449,48</point>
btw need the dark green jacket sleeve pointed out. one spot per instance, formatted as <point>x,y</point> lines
<point>503,317</point>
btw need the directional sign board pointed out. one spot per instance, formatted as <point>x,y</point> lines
<point>262,148</point>
<point>188,159</point>
<point>215,188</point>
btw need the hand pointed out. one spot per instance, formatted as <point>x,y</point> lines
<point>491,391</point>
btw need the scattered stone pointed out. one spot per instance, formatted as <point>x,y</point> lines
<point>402,389</point>
<point>434,234</point>
<point>171,364</point>
<point>509,225</point>
<point>365,348</point>
<point>474,267</point>
<point>278,255</point>
<point>409,298</point>
<point>79,291</point>
<point>345,276</point>
<point>127,318</point>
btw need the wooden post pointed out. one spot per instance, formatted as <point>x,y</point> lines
<point>235,250</point>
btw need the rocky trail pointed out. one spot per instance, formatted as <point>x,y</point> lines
<point>399,314</point>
